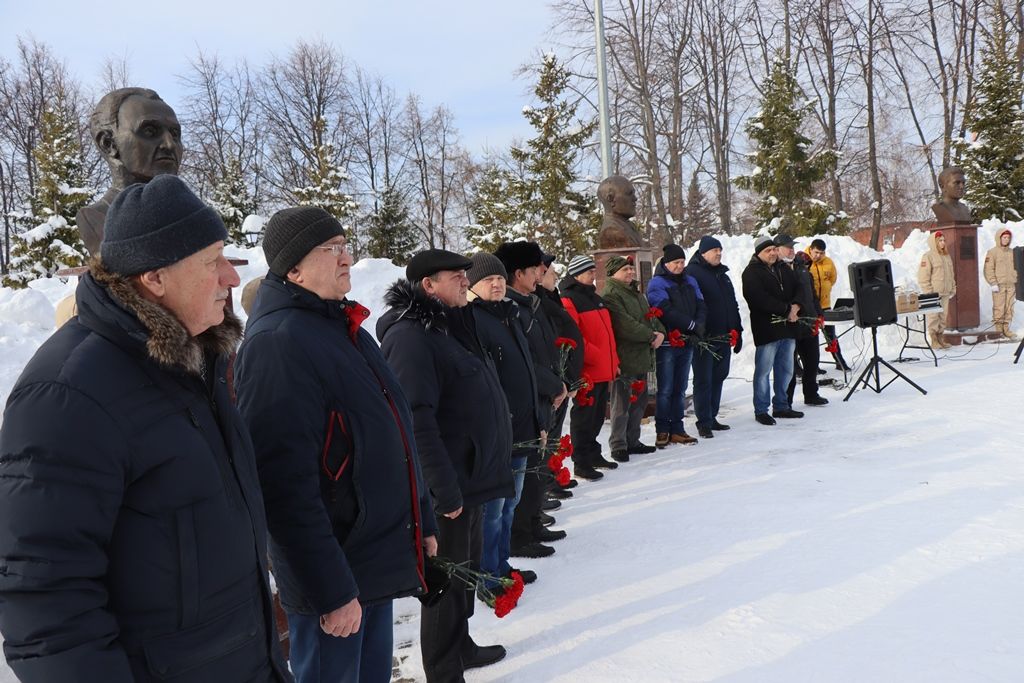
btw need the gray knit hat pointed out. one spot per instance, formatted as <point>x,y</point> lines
<point>292,233</point>
<point>580,264</point>
<point>152,225</point>
<point>484,265</point>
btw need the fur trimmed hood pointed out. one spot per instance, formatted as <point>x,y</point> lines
<point>406,301</point>
<point>167,341</point>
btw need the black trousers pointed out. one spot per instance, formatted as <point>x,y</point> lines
<point>585,424</point>
<point>527,515</point>
<point>444,627</point>
<point>808,354</point>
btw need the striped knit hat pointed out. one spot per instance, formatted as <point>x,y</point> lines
<point>580,264</point>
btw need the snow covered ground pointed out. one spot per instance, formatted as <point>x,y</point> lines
<point>881,539</point>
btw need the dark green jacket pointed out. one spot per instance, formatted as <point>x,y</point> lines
<point>633,331</point>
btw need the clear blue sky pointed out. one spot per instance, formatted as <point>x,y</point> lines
<point>460,52</point>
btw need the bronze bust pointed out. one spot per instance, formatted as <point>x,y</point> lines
<point>619,200</point>
<point>139,136</point>
<point>949,210</point>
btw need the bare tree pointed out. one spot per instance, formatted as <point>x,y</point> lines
<point>303,99</point>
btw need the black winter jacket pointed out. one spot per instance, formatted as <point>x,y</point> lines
<point>723,312</point>
<point>497,323</point>
<point>133,543</point>
<point>563,326</point>
<point>346,505</point>
<point>540,333</point>
<point>769,291</point>
<point>461,418</point>
<point>681,302</point>
<point>808,300</point>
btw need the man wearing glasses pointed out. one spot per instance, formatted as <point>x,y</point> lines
<point>463,435</point>
<point>349,517</point>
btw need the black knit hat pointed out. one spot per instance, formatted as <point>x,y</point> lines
<point>152,225</point>
<point>519,255</point>
<point>672,252</point>
<point>430,261</point>
<point>484,265</point>
<point>292,233</point>
<point>707,243</point>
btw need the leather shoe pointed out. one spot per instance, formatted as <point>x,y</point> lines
<point>789,412</point>
<point>587,472</point>
<point>705,432</point>
<point>640,449</point>
<point>601,463</point>
<point>559,493</point>
<point>529,576</point>
<point>534,549</point>
<point>719,427</point>
<point>683,438</point>
<point>661,440</point>
<point>546,519</point>
<point>764,418</point>
<point>484,656</point>
<point>542,535</point>
<point>551,505</point>
<point>571,485</point>
<point>620,456</point>
<point>816,401</point>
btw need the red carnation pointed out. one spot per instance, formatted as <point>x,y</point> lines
<point>675,338</point>
<point>555,463</point>
<point>563,342</point>
<point>503,604</point>
<point>563,476</point>
<point>517,586</point>
<point>654,312</point>
<point>734,338</point>
<point>832,346</point>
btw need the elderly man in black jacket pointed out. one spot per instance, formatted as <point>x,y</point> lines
<point>350,519</point>
<point>711,365</point>
<point>807,351</point>
<point>771,291</point>
<point>463,435</point>
<point>133,542</point>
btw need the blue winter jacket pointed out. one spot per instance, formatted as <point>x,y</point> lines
<point>346,505</point>
<point>133,541</point>
<point>716,287</point>
<point>680,300</point>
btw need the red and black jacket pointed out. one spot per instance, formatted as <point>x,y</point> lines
<point>587,309</point>
<point>346,505</point>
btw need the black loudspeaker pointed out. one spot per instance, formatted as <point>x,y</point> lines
<point>1018,263</point>
<point>874,296</point>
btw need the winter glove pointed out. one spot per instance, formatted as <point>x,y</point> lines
<point>739,344</point>
<point>700,330</point>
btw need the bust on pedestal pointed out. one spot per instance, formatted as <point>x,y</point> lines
<point>954,219</point>
<point>618,235</point>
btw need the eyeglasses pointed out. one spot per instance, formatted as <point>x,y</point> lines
<point>336,249</point>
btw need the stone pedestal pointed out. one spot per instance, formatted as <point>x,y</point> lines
<point>962,245</point>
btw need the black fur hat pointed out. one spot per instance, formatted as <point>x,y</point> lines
<point>519,256</point>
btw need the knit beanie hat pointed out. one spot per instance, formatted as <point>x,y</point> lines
<point>292,233</point>
<point>763,243</point>
<point>519,255</point>
<point>707,243</point>
<point>616,263</point>
<point>152,225</point>
<point>484,265</point>
<point>580,264</point>
<point>672,252</point>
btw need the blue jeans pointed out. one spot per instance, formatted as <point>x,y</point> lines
<point>497,525</point>
<point>673,373</point>
<point>709,375</point>
<point>775,358</point>
<point>363,657</point>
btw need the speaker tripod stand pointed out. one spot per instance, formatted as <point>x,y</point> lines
<point>1020,349</point>
<point>871,376</point>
